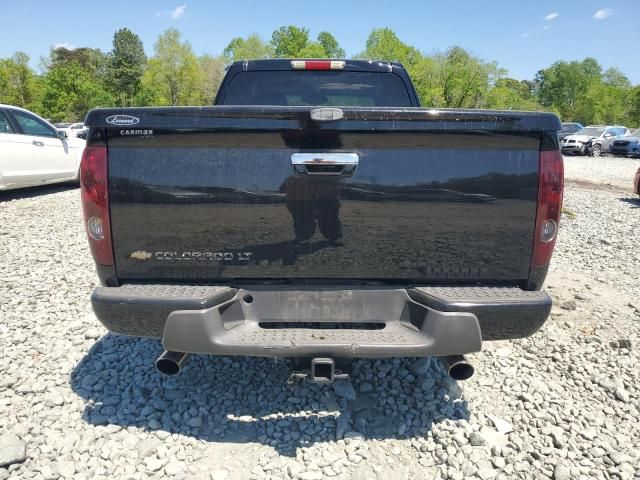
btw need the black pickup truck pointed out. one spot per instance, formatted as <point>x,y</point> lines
<point>317,212</point>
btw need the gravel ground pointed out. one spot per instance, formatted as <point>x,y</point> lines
<point>77,402</point>
<point>614,171</point>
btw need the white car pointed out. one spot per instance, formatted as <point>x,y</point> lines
<point>33,152</point>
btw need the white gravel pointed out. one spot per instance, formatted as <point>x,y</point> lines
<point>562,404</point>
<point>610,170</point>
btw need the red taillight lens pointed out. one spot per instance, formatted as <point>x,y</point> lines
<point>317,65</point>
<point>95,203</point>
<point>550,189</point>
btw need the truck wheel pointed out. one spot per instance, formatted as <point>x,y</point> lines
<point>596,150</point>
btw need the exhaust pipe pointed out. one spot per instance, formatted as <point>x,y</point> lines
<point>170,363</point>
<point>457,367</point>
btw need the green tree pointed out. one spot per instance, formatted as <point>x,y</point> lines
<point>250,48</point>
<point>384,44</point>
<point>615,78</point>
<point>173,75</point>
<point>330,46</point>
<point>563,84</point>
<point>18,83</point>
<point>511,94</point>
<point>74,82</point>
<point>634,106</point>
<point>126,67</point>
<point>581,91</point>
<point>313,50</point>
<point>213,69</point>
<point>591,68</point>
<point>289,41</point>
<point>602,104</point>
<point>463,80</point>
<point>92,60</point>
<point>69,91</point>
<point>425,77</point>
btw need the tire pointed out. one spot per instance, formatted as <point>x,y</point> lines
<point>596,150</point>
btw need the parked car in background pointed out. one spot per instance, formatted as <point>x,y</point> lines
<point>75,128</point>
<point>34,152</point>
<point>72,129</point>
<point>78,130</point>
<point>627,146</point>
<point>592,140</point>
<point>569,128</point>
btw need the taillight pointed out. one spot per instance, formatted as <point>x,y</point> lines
<point>95,203</point>
<point>550,189</point>
<point>317,64</point>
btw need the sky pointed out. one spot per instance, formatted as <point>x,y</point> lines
<point>522,37</point>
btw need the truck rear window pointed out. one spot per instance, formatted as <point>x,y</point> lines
<point>326,88</point>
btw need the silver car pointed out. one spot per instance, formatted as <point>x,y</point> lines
<point>592,140</point>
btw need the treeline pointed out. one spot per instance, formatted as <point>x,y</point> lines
<point>73,81</point>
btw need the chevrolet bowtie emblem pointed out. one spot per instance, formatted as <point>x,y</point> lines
<point>141,255</point>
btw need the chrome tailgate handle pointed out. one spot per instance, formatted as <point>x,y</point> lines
<point>325,163</point>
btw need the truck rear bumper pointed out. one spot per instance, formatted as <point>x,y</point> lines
<point>321,321</point>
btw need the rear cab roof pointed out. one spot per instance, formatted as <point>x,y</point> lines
<point>349,65</point>
<point>284,64</point>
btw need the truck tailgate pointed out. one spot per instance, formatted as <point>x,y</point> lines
<point>212,195</point>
